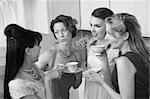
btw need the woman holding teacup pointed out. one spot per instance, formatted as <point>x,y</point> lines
<point>130,76</point>
<point>96,47</point>
<point>64,29</point>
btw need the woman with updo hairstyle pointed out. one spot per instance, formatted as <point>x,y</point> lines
<point>23,79</point>
<point>130,76</point>
<point>20,60</point>
<point>91,89</point>
<point>64,29</point>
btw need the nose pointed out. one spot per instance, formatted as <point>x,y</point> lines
<point>92,29</point>
<point>61,34</point>
<point>107,36</point>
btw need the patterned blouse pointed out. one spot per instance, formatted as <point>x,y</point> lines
<point>24,84</point>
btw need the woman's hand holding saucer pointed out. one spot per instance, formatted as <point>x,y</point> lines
<point>94,77</point>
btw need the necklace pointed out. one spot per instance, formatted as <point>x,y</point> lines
<point>32,73</point>
<point>64,55</point>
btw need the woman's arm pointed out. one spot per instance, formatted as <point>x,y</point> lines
<point>126,72</point>
<point>44,59</point>
<point>52,74</point>
<point>48,87</point>
<point>105,69</point>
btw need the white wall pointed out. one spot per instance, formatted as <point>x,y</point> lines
<point>87,7</point>
<point>37,14</point>
<point>139,8</point>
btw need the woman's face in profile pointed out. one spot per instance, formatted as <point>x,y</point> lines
<point>62,34</point>
<point>114,37</point>
<point>97,27</point>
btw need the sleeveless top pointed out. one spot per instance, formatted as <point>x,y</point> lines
<point>141,76</point>
<point>60,87</point>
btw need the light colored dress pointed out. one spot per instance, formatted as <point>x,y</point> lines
<point>88,89</point>
<point>24,85</point>
<point>93,90</point>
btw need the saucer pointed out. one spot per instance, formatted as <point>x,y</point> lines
<point>74,72</point>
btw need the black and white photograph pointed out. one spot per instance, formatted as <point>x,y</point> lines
<point>74,49</point>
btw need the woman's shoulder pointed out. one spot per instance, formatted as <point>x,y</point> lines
<point>19,88</point>
<point>17,83</point>
<point>47,52</point>
<point>124,62</point>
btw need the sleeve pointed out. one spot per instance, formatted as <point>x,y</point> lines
<point>44,59</point>
<point>18,89</point>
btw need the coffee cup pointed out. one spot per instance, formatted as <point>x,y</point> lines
<point>72,66</point>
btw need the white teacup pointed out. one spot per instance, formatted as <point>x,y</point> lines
<point>100,47</point>
<point>72,66</point>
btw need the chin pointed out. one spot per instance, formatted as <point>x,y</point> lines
<point>114,47</point>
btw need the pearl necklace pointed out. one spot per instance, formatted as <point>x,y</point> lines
<point>32,73</point>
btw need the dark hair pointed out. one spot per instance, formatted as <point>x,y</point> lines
<point>124,22</point>
<point>18,39</point>
<point>69,23</point>
<point>102,13</point>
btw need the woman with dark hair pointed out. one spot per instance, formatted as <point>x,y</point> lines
<point>64,29</point>
<point>23,79</point>
<point>130,76</point>
<point>97,22</point>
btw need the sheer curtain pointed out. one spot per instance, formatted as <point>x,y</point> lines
<point>31,14</point>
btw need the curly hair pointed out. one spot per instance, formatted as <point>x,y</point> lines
<point>69,23</point>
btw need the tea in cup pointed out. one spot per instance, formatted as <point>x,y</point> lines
<point>72,66</point>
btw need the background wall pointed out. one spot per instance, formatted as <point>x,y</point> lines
<point>37,14</point>
<point>139,8</point>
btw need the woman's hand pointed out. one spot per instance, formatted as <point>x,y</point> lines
<point>53,74</point>
<point>94,77</point>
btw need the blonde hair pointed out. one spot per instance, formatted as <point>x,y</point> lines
<point>124,22</point>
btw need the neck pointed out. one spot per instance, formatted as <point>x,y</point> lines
<point>66,47</point>
<point>27,63</point>
<point>125,48</point>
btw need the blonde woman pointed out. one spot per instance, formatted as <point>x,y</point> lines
<point>130,76</point>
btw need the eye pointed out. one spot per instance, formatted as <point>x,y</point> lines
<point>98,26</point>
<point>64,30</point>
<point>56,32</point>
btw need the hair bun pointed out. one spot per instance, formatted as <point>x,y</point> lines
<point>14,31</point>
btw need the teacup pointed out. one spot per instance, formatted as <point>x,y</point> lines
<point>100,47</point>
<point>72,66</point>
